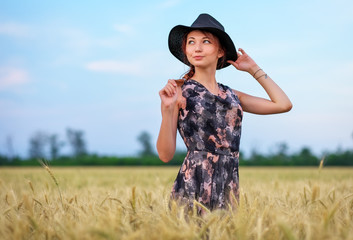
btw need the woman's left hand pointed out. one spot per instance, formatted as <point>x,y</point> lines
<point>244,62</point>
<point>279,101</point>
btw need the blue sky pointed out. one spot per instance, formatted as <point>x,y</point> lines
<point>98,67</point>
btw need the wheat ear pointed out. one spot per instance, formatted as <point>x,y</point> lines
<point>46,167</point>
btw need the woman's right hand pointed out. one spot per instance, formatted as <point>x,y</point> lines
<point>167,134</point>
<point>169,94</point>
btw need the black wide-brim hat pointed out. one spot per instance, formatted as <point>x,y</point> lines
<point>204,22</point>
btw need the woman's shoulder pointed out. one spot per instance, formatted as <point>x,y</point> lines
<point>232,91</point>
<point>185,84</point>
<point>188,84</point>
<point>226,88</point>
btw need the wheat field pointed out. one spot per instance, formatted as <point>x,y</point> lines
<point>132,203</point>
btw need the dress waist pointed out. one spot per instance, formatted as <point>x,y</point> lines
<point>226,152</point>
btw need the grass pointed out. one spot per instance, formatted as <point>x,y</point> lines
<point>132,203</point>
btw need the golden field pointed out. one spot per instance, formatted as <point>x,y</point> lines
<point>132,203</point>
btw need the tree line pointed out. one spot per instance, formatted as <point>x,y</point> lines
<point>49,147</point>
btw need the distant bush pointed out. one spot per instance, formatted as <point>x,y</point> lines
<point>303,158</point>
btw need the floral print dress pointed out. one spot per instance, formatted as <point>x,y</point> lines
<point>210,126</point>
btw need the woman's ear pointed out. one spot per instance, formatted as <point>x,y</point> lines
<point>220,52</point>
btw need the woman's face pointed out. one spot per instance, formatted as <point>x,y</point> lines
<point>203,49</point>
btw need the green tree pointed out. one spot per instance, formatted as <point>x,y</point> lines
<point>37,145</point>
<point>10,149</point>
<point>3,160</point>
<point>54,146</point>
<point>281,157</point>
<point>305,158</point>
<point>77,142</point>
<point>145,140</point>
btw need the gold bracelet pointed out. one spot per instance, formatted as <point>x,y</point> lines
<point>261,76</point>
<point>256,72</point>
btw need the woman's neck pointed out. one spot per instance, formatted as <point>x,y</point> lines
<point>207,78</point>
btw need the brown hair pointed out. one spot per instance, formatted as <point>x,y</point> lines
<point>190,73</point>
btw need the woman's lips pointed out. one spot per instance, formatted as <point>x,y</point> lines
<point>198,57</point>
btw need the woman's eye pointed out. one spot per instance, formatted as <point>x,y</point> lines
<point>191,42</point>
<point>206,41</point>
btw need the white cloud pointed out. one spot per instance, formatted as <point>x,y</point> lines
<point>12,77</point>
<point>111,66</point>
<point>124,28</point>
<point>79,40</point>
<point>14,29</point>
<point>146,65</point>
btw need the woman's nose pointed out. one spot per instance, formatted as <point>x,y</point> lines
<point>198,48</point>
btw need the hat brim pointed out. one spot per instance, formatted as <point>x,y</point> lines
<point>175,42</point>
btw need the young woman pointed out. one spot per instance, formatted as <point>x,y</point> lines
<point>208,114</point>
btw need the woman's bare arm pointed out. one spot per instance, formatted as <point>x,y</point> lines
<point>278,102</point>
<point>166,142</point>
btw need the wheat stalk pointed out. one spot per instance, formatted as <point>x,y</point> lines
<point>46,167</point>
<point>321,164</point>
